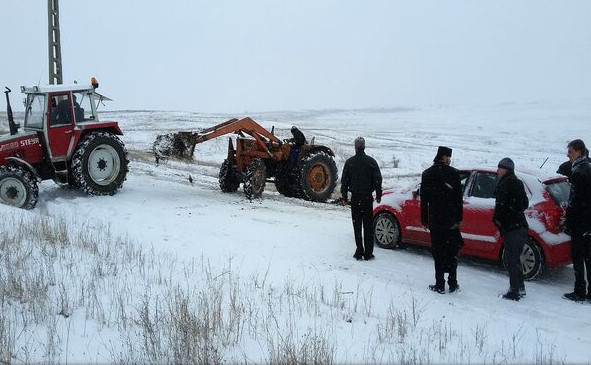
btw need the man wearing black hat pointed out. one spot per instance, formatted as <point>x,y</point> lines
<point>510,204</point>
<point>578,219</point>
<point>441,211</point>
<point>361,176</point>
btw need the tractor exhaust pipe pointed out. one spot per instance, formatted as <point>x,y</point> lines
<point>13,126</point>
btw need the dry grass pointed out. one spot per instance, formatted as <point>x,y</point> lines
<point>61,280</point>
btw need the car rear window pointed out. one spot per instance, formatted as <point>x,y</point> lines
<point>559,191</point>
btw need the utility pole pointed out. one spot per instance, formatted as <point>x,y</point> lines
<point>55,50</point>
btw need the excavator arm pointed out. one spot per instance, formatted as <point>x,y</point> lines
<point>182,144</point>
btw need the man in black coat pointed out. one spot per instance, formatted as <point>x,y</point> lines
<point>509,217</point>
<point>362,176</point>
<point>441,211</point>
<point>578,219</point>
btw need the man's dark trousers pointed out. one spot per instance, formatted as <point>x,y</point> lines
<point>514,241</point>
<point>361,213</point>
<point>445,255</point>
<point>581,257</point>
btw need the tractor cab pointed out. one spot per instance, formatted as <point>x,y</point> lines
<point>59,112</point>
<point>60,105</point>
<point>63,140</point>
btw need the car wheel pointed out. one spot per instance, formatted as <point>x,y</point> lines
<point>531,259</point>
<point>386,230</point>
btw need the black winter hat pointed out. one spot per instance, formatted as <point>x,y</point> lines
<point>506,163</point>
<point>442,151</point>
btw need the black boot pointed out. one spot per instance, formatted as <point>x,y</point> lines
<point>512,295</point>
<point>437,289</point>
<point>575,296</point>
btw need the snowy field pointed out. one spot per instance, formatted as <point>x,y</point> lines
<point>167,270</point>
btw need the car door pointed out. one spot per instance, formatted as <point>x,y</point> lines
<point>415,232</point>
<point>413,228</point>
<point>60,125</point>
<point>481,237</point>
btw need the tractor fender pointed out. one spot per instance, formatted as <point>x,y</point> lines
<point>28,166</point>
<point>308,149</point>
<point>111,127</point>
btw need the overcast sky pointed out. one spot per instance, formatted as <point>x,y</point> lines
<point>262,55</point>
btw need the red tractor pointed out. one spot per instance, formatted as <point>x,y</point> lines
<point>63,140</point>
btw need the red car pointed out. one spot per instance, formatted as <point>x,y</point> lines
<point>397,219</point>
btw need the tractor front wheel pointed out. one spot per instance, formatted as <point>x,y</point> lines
<point>286,182</point>
<point>18,187</point>
<point>256,177</point>
<point>318,177</point>
<point>100,163</point>
<point>228,178</point>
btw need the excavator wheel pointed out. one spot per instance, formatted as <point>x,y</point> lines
<point>256,176</point>
<point>318,176</point>
<point>229,180</point>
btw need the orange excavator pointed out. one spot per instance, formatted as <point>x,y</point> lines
<point>305,171</point>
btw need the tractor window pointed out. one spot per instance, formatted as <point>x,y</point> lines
<point>34,112</point>
<point>82,107</point>
<point>60,111</point>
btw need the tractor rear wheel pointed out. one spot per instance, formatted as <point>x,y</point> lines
<point>256,177</point>
<point>18,187</point>
<point>100,163</point>
<point>318,176</point>
<point>229,180</point>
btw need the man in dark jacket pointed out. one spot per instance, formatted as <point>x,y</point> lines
<point>566,167</point>
<point>362,176</point>
<point>578,219</point>
<point>297,141</point>
<point>298,137</point>
<point>441,211</point>
<point>509,217</point>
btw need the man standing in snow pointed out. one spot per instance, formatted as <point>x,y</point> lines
<point>578,219</point>
<point>441,212</point>
<point>362,176</point>
<point>511,202</point>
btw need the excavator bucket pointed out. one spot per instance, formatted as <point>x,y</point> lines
<point>179,145</point>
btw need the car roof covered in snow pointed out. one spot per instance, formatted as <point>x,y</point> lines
<point>540,175</point>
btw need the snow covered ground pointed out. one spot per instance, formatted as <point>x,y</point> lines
<point>291,260</point>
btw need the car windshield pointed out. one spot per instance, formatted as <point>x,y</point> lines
<point>560,192</point>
